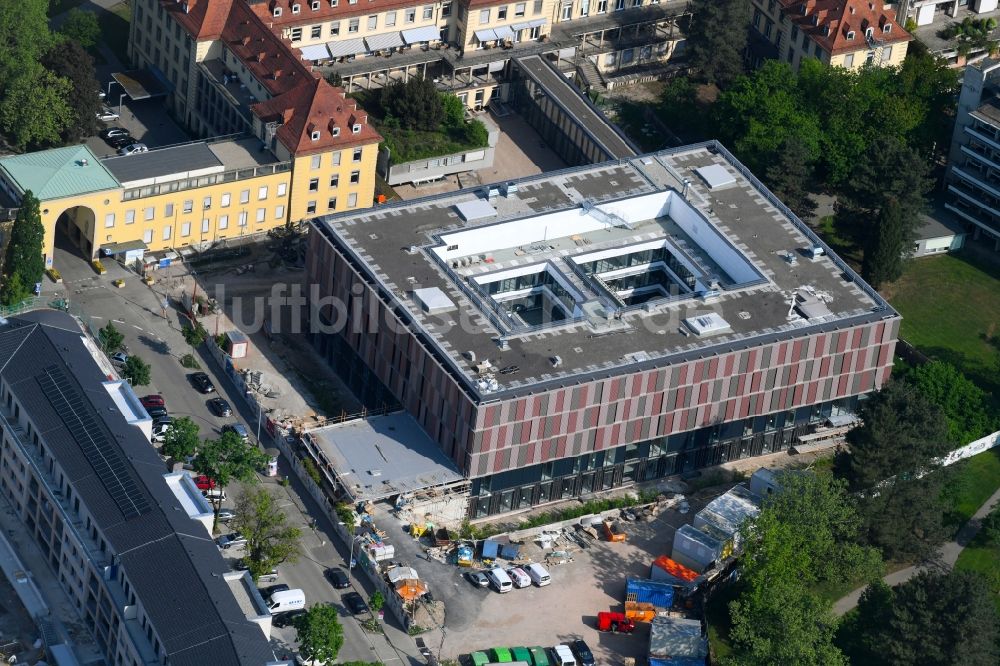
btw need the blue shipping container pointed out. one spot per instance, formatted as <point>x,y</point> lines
<point>661,595</point>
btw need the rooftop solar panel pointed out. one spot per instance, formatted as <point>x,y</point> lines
<point>103,455</point>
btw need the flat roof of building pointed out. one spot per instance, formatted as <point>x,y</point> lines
<point>242,153</point>
<point>381,456</point>
<point>643,265</point>
<point>575,104</point>
<point>59,172</point>
<point>188,158</point>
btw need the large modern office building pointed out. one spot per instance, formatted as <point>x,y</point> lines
<point>599,326</point>
<point>130,545</point>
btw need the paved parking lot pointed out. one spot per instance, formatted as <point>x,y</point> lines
<point>147,120</point>
<point>479,618</point>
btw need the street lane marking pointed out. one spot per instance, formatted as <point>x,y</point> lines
<point>136,327</point>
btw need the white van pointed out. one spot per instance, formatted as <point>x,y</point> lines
<point>538,575</point>
<point>499,580</point>
<point>215,494</point>
<point>286,600</point>
<point>563,656</point>
<point>519,577</point>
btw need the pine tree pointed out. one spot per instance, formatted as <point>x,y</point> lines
<point>790,175</point>
<point>717,39</point>
<point>889,242</point>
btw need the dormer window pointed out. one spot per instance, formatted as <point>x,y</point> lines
<point>805,10</point>
<point>315,5</point>
<point>356,129</point>
<point>887,27</point>
<point>315,135</point>
<point>296,9</point>
<point>869,33</point>
<point>335,131</point>
<point>277,12</point>
<point>850,34</point>
<point>334,3</point>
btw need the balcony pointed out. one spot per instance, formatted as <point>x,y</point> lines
<point>979,153</point>
<point>131,623</point>
<point>993,141</point>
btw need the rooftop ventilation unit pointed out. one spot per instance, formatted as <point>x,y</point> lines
<point>707,324</point>
<point>715,176</point>
<point>509,189</point>
<point>556,361</point>
<point>433,300</point>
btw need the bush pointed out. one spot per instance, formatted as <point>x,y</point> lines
<point>312,471</point>
<point>220,340</point>
<point>346,515</point>
<point>98,266</point>
<point>990,528</point>
<point>372,626</point>
<point>376,601</point>
<point>415,630</point>
<point>476,133</point>
<point>189,361</point>
<point>194,334</point>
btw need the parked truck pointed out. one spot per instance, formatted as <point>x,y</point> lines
<point>614,622</point>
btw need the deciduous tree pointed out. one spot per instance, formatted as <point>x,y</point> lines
<point>228,458</point>
<point>82,27</point>
<point>717,39</point>
<point>25,36</point>
<point>182,439</point>
<point>805,534</point>
<point>111,338</point>
<point>136,371</point>
<point>34,110</point>
<point>270,540</point>
<point>71,61</point>
<point>963,403</point>
<point>320,634</point>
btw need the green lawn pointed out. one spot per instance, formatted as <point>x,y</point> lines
<point>984,559</point>
<point>114,29</point>
<point>951,308</point>
<point>972,482</point>
<point>408,145</point>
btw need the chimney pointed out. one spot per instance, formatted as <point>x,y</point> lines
<point>260,56</point>
<point>286,116</point>
<point>277,73</point>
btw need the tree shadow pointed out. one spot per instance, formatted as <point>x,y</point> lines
<point>157,346</point>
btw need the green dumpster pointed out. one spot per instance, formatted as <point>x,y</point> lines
<point>501,655</point>
<point>538,656</point>
<point>521,654</point>
<point>479,659</point>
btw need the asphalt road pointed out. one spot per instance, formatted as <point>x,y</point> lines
<point>136,311</point>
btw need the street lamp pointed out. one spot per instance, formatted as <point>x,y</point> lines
<point>121,98</point>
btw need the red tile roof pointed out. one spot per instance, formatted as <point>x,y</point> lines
<point>272,60</point>
<point>316,106</point>
<point>326,12</point>
<point>203,19</point>
<point>831,22</point>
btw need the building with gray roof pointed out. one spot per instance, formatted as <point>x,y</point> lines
<point>594,327</point>
<point>82,476</point>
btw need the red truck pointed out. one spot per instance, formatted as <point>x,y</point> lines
<point>614,622</point>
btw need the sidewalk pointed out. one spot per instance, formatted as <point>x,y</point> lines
<point>946,557</point>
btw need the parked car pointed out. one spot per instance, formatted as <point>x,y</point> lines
<point>152,400</point>
<point>268,591</point>
<point>355,603</point>
<point>241,565</point>
<point>121,141</point>
<point>582,652</point>
<point>106,115</point>
<point>238,428</point>
<point>225,515</point>
<point>220,407</point>
<point>203,482</point>
<point>227,541</point>
<point>156,413</point>
<point>337,578</point>
<point>202,382</point>
<point>164,419</point>
<point>114,133</point>
<point>478,578</point>
<point>160,432</point>
<point>119,358</point>
<point>133,149</point>
<point>287,619</point>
